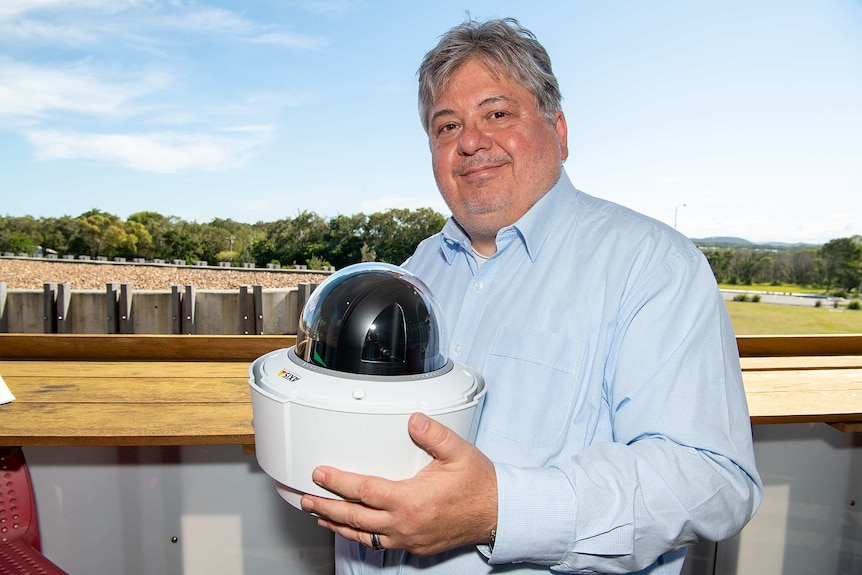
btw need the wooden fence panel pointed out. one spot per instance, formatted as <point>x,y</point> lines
<point>64,300</point>
<point>188,307</point>
<point>4,316</point>
<point>112,311</point>
<point>124,306</point>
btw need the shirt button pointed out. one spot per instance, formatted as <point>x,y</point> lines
<point>478,286</point>
<point>458,348</point>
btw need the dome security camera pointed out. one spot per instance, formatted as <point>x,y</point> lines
<point>370,351</point>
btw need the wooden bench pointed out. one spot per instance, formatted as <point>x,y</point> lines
<point>193,390</point>
<point>129,389</point>
<point>803,379</point>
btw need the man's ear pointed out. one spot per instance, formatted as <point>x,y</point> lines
<point>563,134</point>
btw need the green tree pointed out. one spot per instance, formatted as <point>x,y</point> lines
<point>157,227</point>
<point>394,234</point>
<point>182,243</point>
<point>297,240</point>
<point>229,236</point>
<point>58,234</point>
<point>101,233</point>
<point>136,241</point>
<point>747,265</point>
<point>720,260</point>
<point>802,269</point>
<point>839,263</point>
<point>20,234</point>
<point>21,244</point>
<point>346,239</point>
<point>263,252</point>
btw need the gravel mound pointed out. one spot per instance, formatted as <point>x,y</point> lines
<point>19,273</point>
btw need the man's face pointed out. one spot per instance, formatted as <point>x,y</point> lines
<point>493,153</point>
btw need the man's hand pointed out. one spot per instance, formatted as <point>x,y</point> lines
<point>450,503</point>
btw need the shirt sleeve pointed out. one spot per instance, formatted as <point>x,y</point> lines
<point>680,467</point>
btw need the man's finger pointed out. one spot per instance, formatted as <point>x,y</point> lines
<point>434,437</point>
<point>368,490</point>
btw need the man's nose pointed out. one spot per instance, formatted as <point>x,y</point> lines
<point>473,139</point>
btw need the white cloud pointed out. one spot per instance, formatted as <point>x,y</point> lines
<point>11,8</point>
<point>79,22</point>
<point>158,152</point>
<point>45,98</point>
<point>30,91</point>
<point>203,19</point>
<point>129,96</point>
<point>46,33</point>
<point>217,20</point>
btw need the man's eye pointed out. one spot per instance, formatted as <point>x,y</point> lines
<point>446,128</point>
<point>499,115</point>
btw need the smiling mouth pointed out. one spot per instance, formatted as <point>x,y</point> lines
<point>476,168</point>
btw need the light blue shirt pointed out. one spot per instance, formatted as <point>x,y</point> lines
<point>615,414</point>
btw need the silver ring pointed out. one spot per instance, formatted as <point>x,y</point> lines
<point>375,542</point>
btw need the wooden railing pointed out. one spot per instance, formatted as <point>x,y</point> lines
<point>193,390</point>
<point>142,347</point>
<point>799,345</point>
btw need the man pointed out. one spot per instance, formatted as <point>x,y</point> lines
<point>615,430</point>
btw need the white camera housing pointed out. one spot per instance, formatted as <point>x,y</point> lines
<point>333,400</point>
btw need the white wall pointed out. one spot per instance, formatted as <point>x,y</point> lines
<point>116,510</point>
<point>810,520</point>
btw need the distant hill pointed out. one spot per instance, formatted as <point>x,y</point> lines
<point>730,241</point>
<point>792,245</point>
<point>721,240</point>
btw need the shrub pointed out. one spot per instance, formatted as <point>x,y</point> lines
<point>755,298</point>
<point>740,297</point>
<point>818,303</point>
<point>316,263</point>
<point>854,304</point>
<point>227,256</point>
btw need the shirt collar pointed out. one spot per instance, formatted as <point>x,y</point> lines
<point>533,227</point>
<point>453,239</point>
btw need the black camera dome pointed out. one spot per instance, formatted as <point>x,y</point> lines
<point>372,319</point>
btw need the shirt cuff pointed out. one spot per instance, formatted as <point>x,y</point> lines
<point>536,513</point>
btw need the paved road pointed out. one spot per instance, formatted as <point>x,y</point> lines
<point>786,298</point>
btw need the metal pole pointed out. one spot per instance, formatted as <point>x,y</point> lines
<point>676,213</point>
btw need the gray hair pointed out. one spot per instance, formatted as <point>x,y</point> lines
<point>505,47</point>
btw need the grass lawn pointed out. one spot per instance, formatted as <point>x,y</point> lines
<point>751,318</point>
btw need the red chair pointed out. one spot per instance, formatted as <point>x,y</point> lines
<point>20,546</point>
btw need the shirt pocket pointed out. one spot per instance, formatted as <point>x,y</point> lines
<point>533,379</point>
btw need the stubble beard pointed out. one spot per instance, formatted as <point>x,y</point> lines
<point>488,199</point>
<point>486,196</point>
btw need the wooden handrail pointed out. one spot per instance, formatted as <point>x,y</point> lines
<point>79,389</point>
<point>799,345</point>
<point>103,347</point>
<point>16,346</point>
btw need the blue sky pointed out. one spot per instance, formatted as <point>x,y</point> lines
<point>732,117</point>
